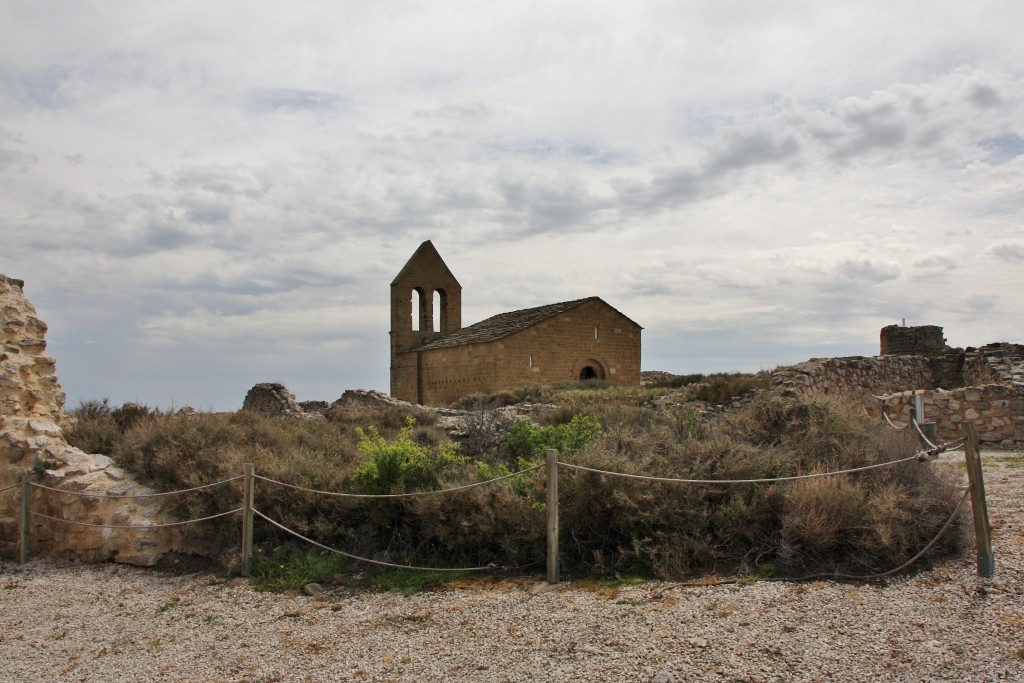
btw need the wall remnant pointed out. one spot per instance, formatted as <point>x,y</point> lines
<point>853,375</point>
<point>996,409</point>
<point>272,400</point>
<point>31,440</point>
<point>922,340</point>
<point>983,385</point>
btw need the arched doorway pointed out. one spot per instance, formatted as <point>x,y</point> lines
<point>591,368</point>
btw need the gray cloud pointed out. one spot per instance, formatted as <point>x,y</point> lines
<point>199,182</point>
<point>11,159</point>
<point>870,126</point>
<point>205,210</point>
<point>869,270</point>
<point>984,97</point>
<point>1012,252</point>
<point>752,148</point>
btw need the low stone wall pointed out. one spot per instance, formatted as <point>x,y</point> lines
<point>996,409</point>
<point>855,375</point>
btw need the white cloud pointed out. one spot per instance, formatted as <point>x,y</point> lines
<point>186,178</point>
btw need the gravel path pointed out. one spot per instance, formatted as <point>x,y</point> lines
<point>71,622</point>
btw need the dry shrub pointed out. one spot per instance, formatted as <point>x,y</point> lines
<point>92,427</point>
<point>861,523</point>
<point>176,452</point>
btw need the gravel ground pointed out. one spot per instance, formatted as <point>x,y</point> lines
<point>72,622</point>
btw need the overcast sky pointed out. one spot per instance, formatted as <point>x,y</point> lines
<point>201,196</point>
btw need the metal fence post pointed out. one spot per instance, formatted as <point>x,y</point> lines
<point>25,517</point>
<point>247,498</point>
<point>982,529</point>
<point>552,486</point>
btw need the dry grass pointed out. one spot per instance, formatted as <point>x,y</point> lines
<point>856,524</point>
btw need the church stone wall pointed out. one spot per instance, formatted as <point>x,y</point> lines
<point>554,350</point>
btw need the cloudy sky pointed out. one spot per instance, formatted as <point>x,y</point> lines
<point>205,195</point>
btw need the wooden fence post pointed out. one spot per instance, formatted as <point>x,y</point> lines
<point>25,519</point>
<point>982,529</point>
<point>247,497</point>
<point>552,486</point>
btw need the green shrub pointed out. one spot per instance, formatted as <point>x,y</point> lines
<point>523,441</point>
<point>402,463</point>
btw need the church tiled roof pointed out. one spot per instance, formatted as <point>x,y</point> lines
<point>502,325</point>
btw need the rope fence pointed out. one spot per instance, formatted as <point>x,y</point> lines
<point>986,561</point>
<point>837,575</point>
<point>134,526</point>
<point>86,494</point>
<point>367,560</point>
<point>412,494</point>
<point>813,475</point>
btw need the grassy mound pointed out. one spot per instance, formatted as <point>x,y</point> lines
<point>858,524</point>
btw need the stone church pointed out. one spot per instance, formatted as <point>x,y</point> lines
<point>436,362</point>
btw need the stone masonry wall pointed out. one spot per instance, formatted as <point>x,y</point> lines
<point>996,409</point>
<point>853,374</point>
<point>31,414</point>
<point>559,348</point>
<point>271,399</point>
<point>993,399</point>
<point>923,340</point>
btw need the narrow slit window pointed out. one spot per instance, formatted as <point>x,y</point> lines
<point>415,310</point>
<point>595,331</point>
<point>437,311</point>
<point>531,360</point>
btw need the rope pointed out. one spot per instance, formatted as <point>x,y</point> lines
<point>834,575</point>
<point>893,424</point>
<point>365,559</point>
<point>137,495</point>
<point>136,526</point>
<point>921,434</point>
<point>916,456</point>
<point>398,495</point>
<point>8,488</point>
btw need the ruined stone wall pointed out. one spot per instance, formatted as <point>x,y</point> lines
<point>996,409</point>
<point>31,414</point>
<point>271,399</point>
<point>922,340</point>
<point>984,386</point>
<point>853,375</point>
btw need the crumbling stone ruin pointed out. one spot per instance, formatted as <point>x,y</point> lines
<point>922,340</point>
<point>982,385</point>
<point>31,416</point>
<point>273,400</point>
